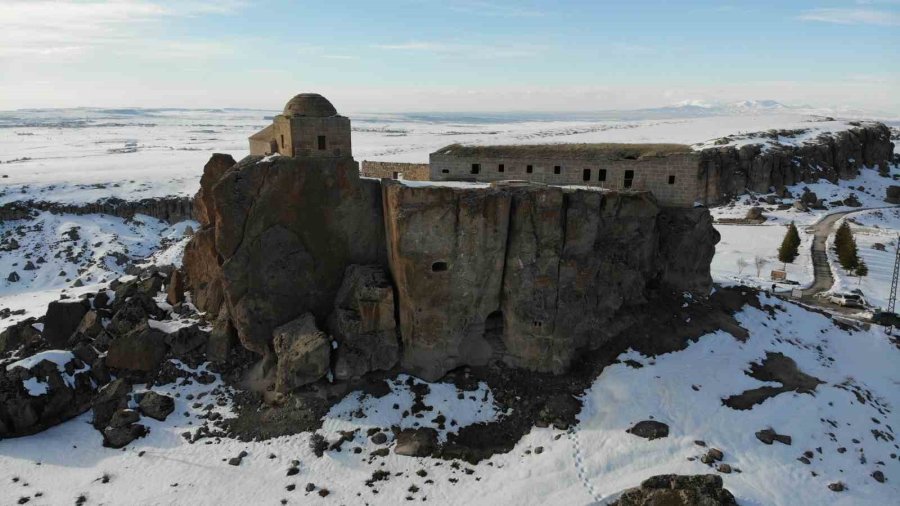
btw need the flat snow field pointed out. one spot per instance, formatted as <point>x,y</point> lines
<point>876,234</point>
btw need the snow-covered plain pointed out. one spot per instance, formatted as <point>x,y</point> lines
<point>82,155</point>
<point>870,228</point>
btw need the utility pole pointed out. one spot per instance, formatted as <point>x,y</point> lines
<point>892,298</point>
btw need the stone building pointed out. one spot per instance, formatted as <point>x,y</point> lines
<point>309,126</point>
<point>395,170</point>
<point>669,171</point>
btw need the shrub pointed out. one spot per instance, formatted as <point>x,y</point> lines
<point>790,245</point>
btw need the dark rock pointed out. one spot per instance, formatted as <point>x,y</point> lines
<point>379,438</point>
<point>132,313</point>
<point>893,194</point>
<point>62,319</point>
<point>13,277</point>
<point>836,487</point>
<point>124,417</point>
<point>156,406</point>
<point>675,490</point>
<point>768,436</point>
<point>187,340</point>
<point>649,429</point>
<point>420,442</point>
<point>363,323</point>
<point>111,398</point>
<point>143,349</point>
<point>119,437</point>
<point>754,213</point>
<point>303,353</point>
<point>879,476</point>
<point>90,324</point>
<point>18,334</point>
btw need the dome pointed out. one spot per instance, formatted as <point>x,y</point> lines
<point>310,105</point>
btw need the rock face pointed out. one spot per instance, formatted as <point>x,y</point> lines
<point>303,353</point>
<point>285,230</point>
<point>527,274</point>
<point>532,274</point>
<point>363,323</point>
<point>675,490</point>
<point>730,171</point>
<point>143,349</point>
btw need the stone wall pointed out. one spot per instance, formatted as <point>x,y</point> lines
<point>673,178</point>
<point>395,170</point>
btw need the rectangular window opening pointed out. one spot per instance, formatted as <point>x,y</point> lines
<point>500,168</point>
<point>601,175</point>
<point>529,169</point>
<point>586,175</point>
<point>445,171</point>
<point>629,178</point>
<point>282,141</point>
<point>557,169</point>
<point>321,142</point>
<point>476,168</point>
<point>671,179</point>
<point>396,175</point>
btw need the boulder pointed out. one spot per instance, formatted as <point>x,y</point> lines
<point>186,341</point>
<point>156,406</point>
<point>119,437</point>
<point>769,436</point>
<point>204,272</point>
<point>363,323</point>
<point>110,399</point>
<point>175,288</point>
<point>649,429</point>
<point>41,391</point>
<point>62,319</point>
<point>800,205</point>
<point>123,418</point>
<point>18,334</point>
<point>143,349</point>
<point>303,353</point>
<point>133,313</point>
<point>676,490</point>
<point>420,442</point>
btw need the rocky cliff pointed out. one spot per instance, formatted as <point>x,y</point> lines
<point>731,170</point>
<point>169,209</point>
<point>527,274</point>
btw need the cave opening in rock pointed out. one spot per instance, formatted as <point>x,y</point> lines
<point>439,267</point>
<point>493,331</point>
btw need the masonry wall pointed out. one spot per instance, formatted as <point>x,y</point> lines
<point>650,173</point>
<point>306,131</point>
<point>395,170</point>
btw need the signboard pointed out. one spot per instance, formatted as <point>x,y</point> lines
<point>779,275</point>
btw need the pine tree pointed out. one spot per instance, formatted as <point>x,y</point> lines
<point>862,270</point>
<point>845,245</point>
<point>789,245</point>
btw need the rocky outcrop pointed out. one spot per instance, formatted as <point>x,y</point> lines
<point>169,209</point>
<point>531,274</point>
<point>730,170</point>
<point>676,490</point>
<point>43,390</point>
<point>364,324</point>
<point>528,274</point>
<point>62,319</point>
<point>285,230</point>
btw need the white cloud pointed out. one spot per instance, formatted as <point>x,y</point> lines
<point>853,17</point>
<point>53,27</point>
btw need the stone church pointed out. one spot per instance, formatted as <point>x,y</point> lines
<point>309,126</point>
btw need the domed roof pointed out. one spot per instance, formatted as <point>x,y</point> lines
<point>309,104</point>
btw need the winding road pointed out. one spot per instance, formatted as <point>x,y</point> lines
<point>822,278</point>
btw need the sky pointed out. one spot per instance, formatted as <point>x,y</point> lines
<point>449,55</point>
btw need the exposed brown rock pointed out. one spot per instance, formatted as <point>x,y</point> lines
<point>675,490</point>
<point>62,319</point>
<point>175,288</point>
<point>303,353</point>
<point>143,349</point>
<point>363,323</point>
<point>213,171</point>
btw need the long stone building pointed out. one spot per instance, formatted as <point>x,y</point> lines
<point>669,171</point>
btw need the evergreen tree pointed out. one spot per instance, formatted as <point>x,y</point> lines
<point>862,270</point>
<point>789,245</point>
<point>845,245</point>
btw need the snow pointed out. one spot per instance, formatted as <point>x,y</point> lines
<point>869,228</point>
<point>595,461</point>
<point>749,242</point>
<point>36,387</point>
